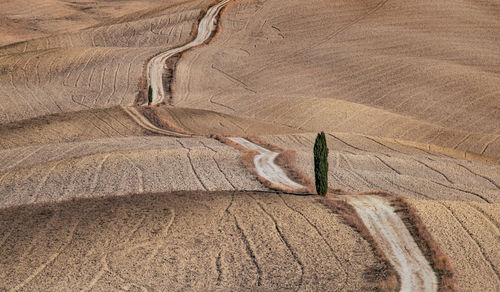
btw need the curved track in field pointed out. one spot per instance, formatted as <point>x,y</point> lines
<point>265,166</point>
<point>389,231</point>
<point>156,66</point>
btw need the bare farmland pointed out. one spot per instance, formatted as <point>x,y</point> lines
<point>413,71</point>
<point>469,234</point>
<point>364,163</point>
<point>159,241</point>
<point>96,67</point>
<point>114,166</point>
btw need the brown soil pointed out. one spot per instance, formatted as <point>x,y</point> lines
<point>69,127</point>
<point>119,166</point>
<point>183,240</point>
<point>469,234</point>
<point>380,68</point>
<point>362,163</point>
<point>96,67</point>
<point>203,122</point>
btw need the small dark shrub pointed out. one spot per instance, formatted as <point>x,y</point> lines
<point>321,164</point>
<point>150,95</point>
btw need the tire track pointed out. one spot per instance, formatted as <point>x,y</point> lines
<point>462,190</point>
<point>248,248</point>
<point>387,164</point>
<point>98,171</point>
<point>43,181</point>
<point>488,144</point>
<point>480,175</point>
<point>265,166</point>
<point>476,243</point>
<point>346,275</point>
<point>51,259</point>
<point>156,68</point>
<point>344,142</point>
<point>486,216</point>
<point>19,161</point>
<point>396,242</point>
<point>159,244</point>
<point>192,166</point>
<point>225,175</point>
<point>139,173</point>
<point>435,170</point>
<point>98,276</point>
<point>284,240</point>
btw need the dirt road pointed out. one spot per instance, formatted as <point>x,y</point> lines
<point>156,65</point>
<point>397,243</point>
<point>146,124</point>
<point>265,166</point>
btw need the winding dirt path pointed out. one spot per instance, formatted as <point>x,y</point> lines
<point>265,166</point>
<point>380,218</point>
<point>146,124</point>
<point>156,66</point>
<point>397,243</point>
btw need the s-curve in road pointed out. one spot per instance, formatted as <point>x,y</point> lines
<point>156,66</point>
<point>147,125</point>
<point>396,242</point>
<point>265,166</point>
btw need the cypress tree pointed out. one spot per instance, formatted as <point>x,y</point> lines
<point>321,164</point>
<point>150,95</point>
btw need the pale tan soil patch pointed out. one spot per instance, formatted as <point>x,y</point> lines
<point>469,237</point>
<point>265,166</point>
<point>415,273</point>
<point>205,28</point>
<point>421,71</point>
<point>24,20</point>
<point>203,122</point>
<point>69,127</point>
<point>360,163</point>
<point>120,166</point>
<point>182,241</point>
<point>96,67</point>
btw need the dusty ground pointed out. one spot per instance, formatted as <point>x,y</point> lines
<point>422,71</point>
<point>468,232</point>
<point>119,166</point>
<point>83,125</point>
<point>361,163</point>
<point>24,20</point>
<point>364,71</point>
<point>265,166</point>
<point>204,122</point>
<point>415,273</point>
<point>205,28</point>
<point>159,241</point>
<point>96,67</point>
<point>457,199</point>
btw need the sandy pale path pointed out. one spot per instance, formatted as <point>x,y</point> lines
<point>265,166</point>
<point>397,243</point>
<point>156,66</point>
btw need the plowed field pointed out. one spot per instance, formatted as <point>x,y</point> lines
<point>423,71</point>
<point>96,67</point>
<point>55,172</point>
<point>159,242</point>
<point>363,163</point>
<point>469,234</point>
